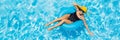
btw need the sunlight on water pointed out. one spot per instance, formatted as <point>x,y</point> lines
<point>25,20</point>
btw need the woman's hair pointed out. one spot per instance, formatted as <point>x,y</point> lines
<point>80,8</point>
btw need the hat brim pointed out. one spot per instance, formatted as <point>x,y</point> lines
<point>80,8</point>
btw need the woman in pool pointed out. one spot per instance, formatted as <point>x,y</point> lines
<point>70,18</point>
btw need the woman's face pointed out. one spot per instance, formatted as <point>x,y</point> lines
<point>80,12</point>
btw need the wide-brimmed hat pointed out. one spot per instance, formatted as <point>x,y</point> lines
<point>83,8</point>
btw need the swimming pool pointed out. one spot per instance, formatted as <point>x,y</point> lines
<point>24,20</point>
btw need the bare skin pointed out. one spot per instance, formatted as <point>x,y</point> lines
<point>64,19</point>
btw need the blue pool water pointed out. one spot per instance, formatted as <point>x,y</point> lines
<point>25,20</point>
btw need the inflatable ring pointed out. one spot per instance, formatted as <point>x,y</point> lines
<point>72,26</point>
<point>72,30</point>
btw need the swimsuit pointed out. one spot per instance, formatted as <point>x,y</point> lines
<point>73,17</point>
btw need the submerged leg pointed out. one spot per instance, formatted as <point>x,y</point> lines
<point>68,21</point>
<point>61,22</point>
<point>53,21</point>
<point>63,17</point>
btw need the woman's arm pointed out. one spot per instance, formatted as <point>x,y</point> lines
<point>75,4</point>
<point>85,24</point>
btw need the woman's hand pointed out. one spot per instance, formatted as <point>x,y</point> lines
<point>50,29</point>
<point>74,3</point>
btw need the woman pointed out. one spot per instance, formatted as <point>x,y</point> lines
<point>70,18</point>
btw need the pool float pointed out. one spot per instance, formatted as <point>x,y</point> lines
<point>76,24</point>
<point>72,26</point>
<point>72,30</point>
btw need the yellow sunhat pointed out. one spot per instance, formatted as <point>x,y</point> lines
<point>83,8</point>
